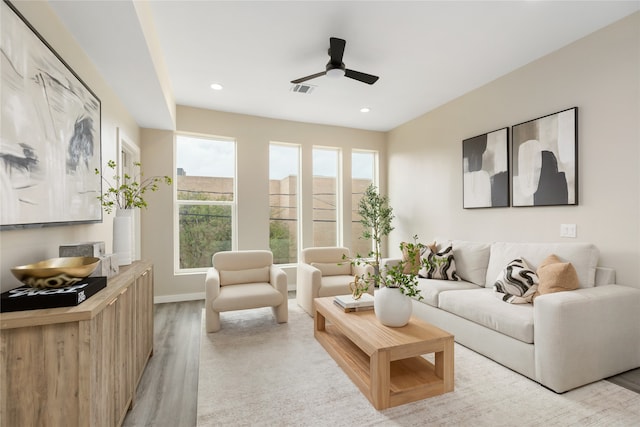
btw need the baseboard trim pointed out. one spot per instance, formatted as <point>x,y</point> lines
<point>178,298</point>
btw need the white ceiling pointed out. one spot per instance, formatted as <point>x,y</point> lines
<point>425,52</point>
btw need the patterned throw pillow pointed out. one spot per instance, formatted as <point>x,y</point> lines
<point>517,283</point>
<point>441,265</point>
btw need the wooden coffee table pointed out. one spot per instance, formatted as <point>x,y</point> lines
<point>385,363</point>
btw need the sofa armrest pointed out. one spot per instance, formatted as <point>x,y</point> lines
<point>212,284</point>
<point>387,263</point>
<point>278,279</point>
<point>605,276</point>
<point>585,335</point>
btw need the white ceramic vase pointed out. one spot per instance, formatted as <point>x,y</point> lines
<point>123,236</point>
<point>392,307</point>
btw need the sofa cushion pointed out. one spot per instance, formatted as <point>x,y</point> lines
<point>583,256</point>
<point>333,268</point>
<point>472,260</point>
<point>482,307</point>
<point>516,283</point>
<point>556,276</point>
<point>430,288</point>
<point>442,265</point>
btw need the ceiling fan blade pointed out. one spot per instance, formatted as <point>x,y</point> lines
<point>363,77</point>
<point>312,76</point>
<point>336,50</point>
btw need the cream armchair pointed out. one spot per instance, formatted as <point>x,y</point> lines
<point>241,280</point>
<point>322,272</point>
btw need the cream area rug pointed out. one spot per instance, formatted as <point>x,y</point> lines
<point>255,372</point>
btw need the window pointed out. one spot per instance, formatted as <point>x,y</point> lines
<point>363,172</point>
<point>284,172</point>
<point>206,200</point>
<point>325,196</point>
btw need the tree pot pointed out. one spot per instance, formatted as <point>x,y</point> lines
<point>392,307</point>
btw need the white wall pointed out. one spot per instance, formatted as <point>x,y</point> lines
<point>253,135</point>
<point>600,74</point>
<point>26,246</point>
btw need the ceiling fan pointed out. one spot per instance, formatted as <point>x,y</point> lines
<point>335,67</point>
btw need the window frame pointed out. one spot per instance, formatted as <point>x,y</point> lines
<point>375,181</point>
<point>299,232</point>
<point>178,203</point>
<point>339,230</point>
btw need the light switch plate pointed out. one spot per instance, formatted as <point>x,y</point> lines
<point>568,230</point>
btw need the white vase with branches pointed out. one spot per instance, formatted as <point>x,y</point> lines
<point>124,194</point>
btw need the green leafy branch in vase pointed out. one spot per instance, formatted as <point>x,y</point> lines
<point>403,275</point>
<point>127,192</point>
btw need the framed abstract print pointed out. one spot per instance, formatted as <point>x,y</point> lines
<point>485,166</point>
<point>50,136</point>
<point>545,160</point>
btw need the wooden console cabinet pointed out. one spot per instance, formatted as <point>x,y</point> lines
<point>78,366</point>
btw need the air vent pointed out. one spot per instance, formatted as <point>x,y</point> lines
<point>300,88</point>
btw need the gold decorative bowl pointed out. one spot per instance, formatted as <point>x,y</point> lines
<point>56,272</point>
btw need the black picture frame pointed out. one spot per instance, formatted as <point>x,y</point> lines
<point>545,160</point>
<point>485,170</point>
<point>51,133</point>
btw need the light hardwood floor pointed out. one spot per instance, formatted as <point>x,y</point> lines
<point>167,394</point>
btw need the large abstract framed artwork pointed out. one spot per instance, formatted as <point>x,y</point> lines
<point>545,160</point>
<point>50,135</point>
<point>485,165</point>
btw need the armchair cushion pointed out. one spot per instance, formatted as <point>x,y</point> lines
<point>250,275</point>
<point>334,285</point>
<point>324,254</point>
<point>333,268</point>
<point>246,296</point>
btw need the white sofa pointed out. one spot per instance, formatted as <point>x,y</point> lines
<point>563,340</point>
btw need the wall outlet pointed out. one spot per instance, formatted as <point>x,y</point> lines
<point>568,230</point>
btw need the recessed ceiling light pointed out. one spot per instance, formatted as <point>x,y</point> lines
<point>365,109</point>
<point>216,86</point>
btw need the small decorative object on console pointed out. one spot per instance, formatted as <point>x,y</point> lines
<point>108,265</point>
<point>349,303</point>
<point>56,272</point>
<point>87,249</point>
<point>28,298</point>
<point>358,287</point>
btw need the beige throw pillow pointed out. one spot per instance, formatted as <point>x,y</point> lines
<point>408,266</point>
<point>556,276</point>
<point>415,267</point>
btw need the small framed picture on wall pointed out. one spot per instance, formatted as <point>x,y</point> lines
<point>545,160</point>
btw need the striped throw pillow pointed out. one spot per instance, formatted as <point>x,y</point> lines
<point>441,265</point>
<point>517,283</point>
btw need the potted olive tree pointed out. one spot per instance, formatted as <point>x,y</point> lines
<point>375,217</point>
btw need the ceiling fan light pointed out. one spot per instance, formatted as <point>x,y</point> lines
<point>335,73</point>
